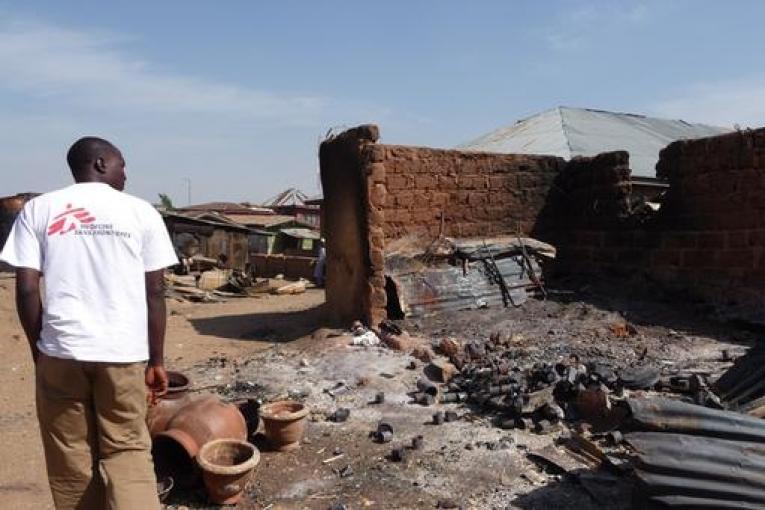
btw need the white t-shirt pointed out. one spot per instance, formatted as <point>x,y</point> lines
<point>93,245</point>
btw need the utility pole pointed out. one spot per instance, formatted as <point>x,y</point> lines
<point>188,190</point>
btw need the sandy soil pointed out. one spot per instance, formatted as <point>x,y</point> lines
<point>195,332</point>
<point>270,348</point>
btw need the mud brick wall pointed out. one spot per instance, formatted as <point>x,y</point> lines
<point>345,163</point>
<point>374,193</point>
<point>708,239</point>
<point>291,266</point>
<point>478,194</point>
<point>714,220</point>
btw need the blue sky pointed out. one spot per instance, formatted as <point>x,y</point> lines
<point>236,95</point>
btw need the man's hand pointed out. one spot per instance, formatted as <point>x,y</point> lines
<point>156,381</point>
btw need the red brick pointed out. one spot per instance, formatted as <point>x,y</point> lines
<point>679,240</point>
<point>376,172</point>
<point>665,257</point>
<point>711,240</point>
<point>397,182</point>
<point>737,258</point>
<point>425,182</point>
<point>404,198</point>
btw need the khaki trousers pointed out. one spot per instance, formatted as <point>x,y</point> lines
<point>93,425</point>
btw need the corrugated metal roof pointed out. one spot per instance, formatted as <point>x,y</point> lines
<point>204,218</point>
<point>665,415</point>
<point>227,207</point>
<point>301,233</point>
<point>290,196</point>
<point>432,289</point>
<point>260,220</point>
<point>568,132</point>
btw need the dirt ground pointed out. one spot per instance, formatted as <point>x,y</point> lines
<point>272,347</point>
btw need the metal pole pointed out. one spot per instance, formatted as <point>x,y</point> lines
<point>188,190</point>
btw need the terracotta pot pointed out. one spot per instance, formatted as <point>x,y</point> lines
<point>168,404</point>
<point>226,466</point>
<point>178,384</point>
<point>196,420</point>
<point>284,422</point>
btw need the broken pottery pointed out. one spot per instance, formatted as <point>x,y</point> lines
<point>188,423</point>
<point>226,467</point>
<point>284,423</point>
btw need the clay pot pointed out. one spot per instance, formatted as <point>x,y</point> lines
<point>226,466</point>
<point>168,404</point>
<point>178,384</point>
<point>195,420</point>
<point>284,423</point>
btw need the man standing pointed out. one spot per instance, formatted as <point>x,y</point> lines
<point>99,318</point>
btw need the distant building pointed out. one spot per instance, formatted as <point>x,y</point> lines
<point>569,132</point>
<point>227,208</point>
<point>211,236</point>
<point>295,203</point>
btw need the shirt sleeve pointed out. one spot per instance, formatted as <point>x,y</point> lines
<point>23,246</point>
<point>157,250</point>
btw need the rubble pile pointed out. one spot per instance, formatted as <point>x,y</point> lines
<point>625,412</point>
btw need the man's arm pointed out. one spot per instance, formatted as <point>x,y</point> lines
<point>156,377</point>
<point>29,306</point>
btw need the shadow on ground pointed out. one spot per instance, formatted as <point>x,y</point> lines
<point>582,489</point>
<point>644,303</point>
<point>278,327</point>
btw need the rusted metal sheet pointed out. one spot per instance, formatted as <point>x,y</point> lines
<point>430,289</point>
<point>680,471</point>
<point>744,381</point>
<point>664,415</point>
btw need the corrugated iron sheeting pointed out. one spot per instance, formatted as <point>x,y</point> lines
<point>666,415</point>
<point>696,457</point>
<point>699,467</point>
<point>446,288</point>
<point>690,503</point>
<point>744,381</point>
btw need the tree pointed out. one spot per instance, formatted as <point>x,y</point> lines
<point>166,202</point>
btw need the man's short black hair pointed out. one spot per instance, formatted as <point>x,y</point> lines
<point>85,151</point>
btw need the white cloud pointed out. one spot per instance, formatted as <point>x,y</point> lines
<point>89,70</point>
<point>724,103</point>
<point>234,141</point>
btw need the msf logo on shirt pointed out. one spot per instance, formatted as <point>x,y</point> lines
<point>70,220</point>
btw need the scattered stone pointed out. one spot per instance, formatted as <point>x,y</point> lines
<point>340,415</point>
<point>449,347</point>
<point>423,353</point>
<point>442,371</point>
<point>398,454</point>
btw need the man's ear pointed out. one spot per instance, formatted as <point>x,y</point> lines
<point>100,165</point>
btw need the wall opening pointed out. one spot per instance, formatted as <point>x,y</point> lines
<point>393,306</point>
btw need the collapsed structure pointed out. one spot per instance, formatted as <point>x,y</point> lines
<point>707,239</point>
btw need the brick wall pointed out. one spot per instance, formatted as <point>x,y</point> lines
<point>417,190</point>
<point>478,194</point>
<point>708,239</point>
<point>290,266</point>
